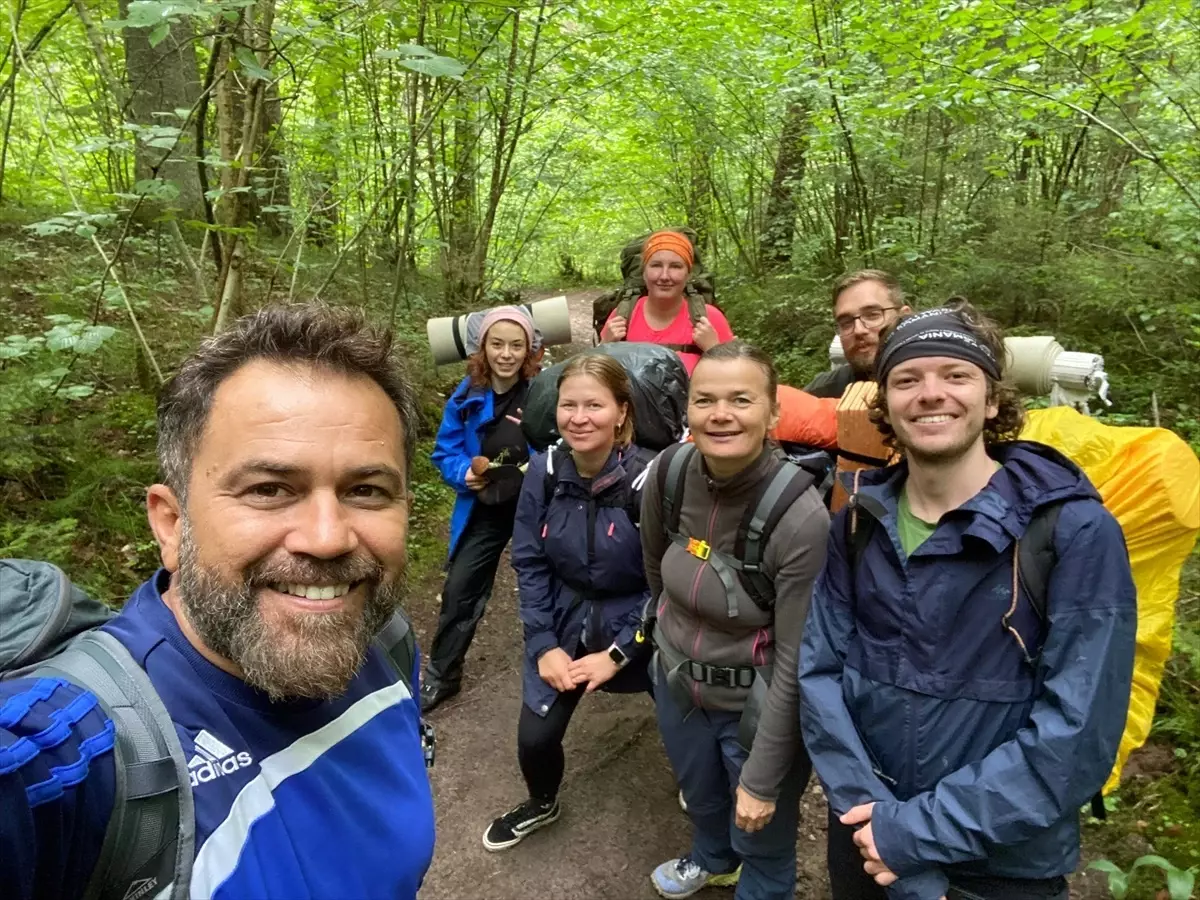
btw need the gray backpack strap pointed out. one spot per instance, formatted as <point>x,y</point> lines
<point>149,846</point>
<point>399,644</point>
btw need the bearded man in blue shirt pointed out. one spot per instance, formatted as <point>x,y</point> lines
<point>281,520</point>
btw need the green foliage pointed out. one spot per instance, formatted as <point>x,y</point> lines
<point>1179,881</point>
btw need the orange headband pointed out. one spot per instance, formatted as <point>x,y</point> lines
<point>668,240</point>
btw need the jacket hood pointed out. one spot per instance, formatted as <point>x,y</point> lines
<point>1031,476</point>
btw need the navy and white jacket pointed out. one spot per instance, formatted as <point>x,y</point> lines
<point>565,597</point>
<point>305,799</point>
<point>468,412</point>
<point>914,696</point>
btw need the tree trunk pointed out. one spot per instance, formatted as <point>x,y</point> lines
<point>779,231</point>
<point>463,282</point>
<point>163,79</point>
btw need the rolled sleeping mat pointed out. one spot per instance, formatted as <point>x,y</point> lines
<point>454,338</point>
<point>1039,366</point>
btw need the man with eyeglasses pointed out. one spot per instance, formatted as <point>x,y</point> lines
<point>863,303</point>
<point>960,697</point>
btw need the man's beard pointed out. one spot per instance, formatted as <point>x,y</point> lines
<point>862,360</point>
<point>943,455</point>
<point>290,656</point>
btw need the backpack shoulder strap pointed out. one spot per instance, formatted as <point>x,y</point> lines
<point>399,645</point>
<point>1036,557</point>
<point>758,522</point>
<point>624,307</point>
<point>671,473</point>
<point>550,477</point>
<point>637,471</point>
<point>697,309</point>
<point>859,528</point>
<point>148,847</point>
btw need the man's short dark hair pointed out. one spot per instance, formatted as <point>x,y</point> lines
<point>888,280</point>
<point>1006,425</point>
<point>309,335</point>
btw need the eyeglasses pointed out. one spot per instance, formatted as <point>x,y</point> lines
<point>872,317</point>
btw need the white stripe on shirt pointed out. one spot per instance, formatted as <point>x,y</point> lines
<point>219,856</point>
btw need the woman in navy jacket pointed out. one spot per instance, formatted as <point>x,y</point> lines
<point>482,418</point>
<point>578,558</point>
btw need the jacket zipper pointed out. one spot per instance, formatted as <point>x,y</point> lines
<point>712,520</point>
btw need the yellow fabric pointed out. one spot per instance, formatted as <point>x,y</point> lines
<point>1150,480</point>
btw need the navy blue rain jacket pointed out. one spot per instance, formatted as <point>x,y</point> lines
<point>564,597</point>
<point>469,410</point>
<point>914,696</point>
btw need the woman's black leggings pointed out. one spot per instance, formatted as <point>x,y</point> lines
<point>540,745</point>
<point>540,738</point>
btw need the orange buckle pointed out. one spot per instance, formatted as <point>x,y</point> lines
<point>698,548</point>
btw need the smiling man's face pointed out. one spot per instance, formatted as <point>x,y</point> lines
<point>290,553</point>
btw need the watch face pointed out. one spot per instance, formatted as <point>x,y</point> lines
<point>615,654</point>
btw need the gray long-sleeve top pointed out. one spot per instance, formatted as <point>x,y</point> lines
<point>693,610</point>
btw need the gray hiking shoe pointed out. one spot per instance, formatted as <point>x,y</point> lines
<point>517,824</point>
<point>677,878</point>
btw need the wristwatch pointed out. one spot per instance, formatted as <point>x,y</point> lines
<point>617,655</point>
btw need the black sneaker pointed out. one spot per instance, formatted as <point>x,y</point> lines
<point>433,694</point>
<point>513,827</point>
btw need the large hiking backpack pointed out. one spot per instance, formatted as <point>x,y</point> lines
<point>660,386</point>
<point>1036,559</point>
<point>698,291</point>
<point>49,629</point>
<point>773,499</point>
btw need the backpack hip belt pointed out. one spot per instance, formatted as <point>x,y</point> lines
<point>677,667</point>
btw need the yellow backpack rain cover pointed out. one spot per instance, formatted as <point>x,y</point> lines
<point>1150,481</point>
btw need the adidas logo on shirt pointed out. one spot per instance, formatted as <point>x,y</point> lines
<point>213,759</point>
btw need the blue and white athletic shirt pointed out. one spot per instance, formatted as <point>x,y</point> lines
<point>298,800</point>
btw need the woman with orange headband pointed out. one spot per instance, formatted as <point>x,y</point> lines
<point>661,316</point>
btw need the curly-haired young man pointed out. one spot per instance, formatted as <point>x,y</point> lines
<point>957,710</point>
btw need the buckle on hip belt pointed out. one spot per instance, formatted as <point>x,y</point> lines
<point>698,548</point>
<point>721,676</point>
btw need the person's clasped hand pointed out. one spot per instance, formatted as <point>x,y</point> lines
<point>752,814</point>
<point>703,334</point>
<point>614,330</point>
<point>594,669</point>
<point>554,667</point>
<point>475,482</point>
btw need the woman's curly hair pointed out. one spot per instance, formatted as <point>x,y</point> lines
<point>1010,416</point>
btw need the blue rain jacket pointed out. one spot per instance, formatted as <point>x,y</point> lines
<point>565,598</point>
<point>468,412</point>
<point>915,696</point>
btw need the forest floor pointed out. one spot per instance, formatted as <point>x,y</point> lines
<point>620,815</point>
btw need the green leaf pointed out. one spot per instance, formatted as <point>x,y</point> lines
<point>1180,884</point>
<point>249,63</point>
<point>404,50</point>
<point>158,33</point>
<point>77,391</point>
<point>157,189</point>
<point>1118,881</point>
<point>436,67</point>
<point>92,337</point>
<point>1030,68</point>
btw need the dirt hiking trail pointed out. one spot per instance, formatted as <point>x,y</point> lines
<point>620,816</point>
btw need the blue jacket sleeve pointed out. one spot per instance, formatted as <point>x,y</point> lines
<point>838,754</point>
<point>56,787</point>
<point>1065,751</point>
<point>450,456</point>
<point>535,575</point>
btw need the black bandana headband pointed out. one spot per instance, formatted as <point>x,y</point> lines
<point>935,332</point>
